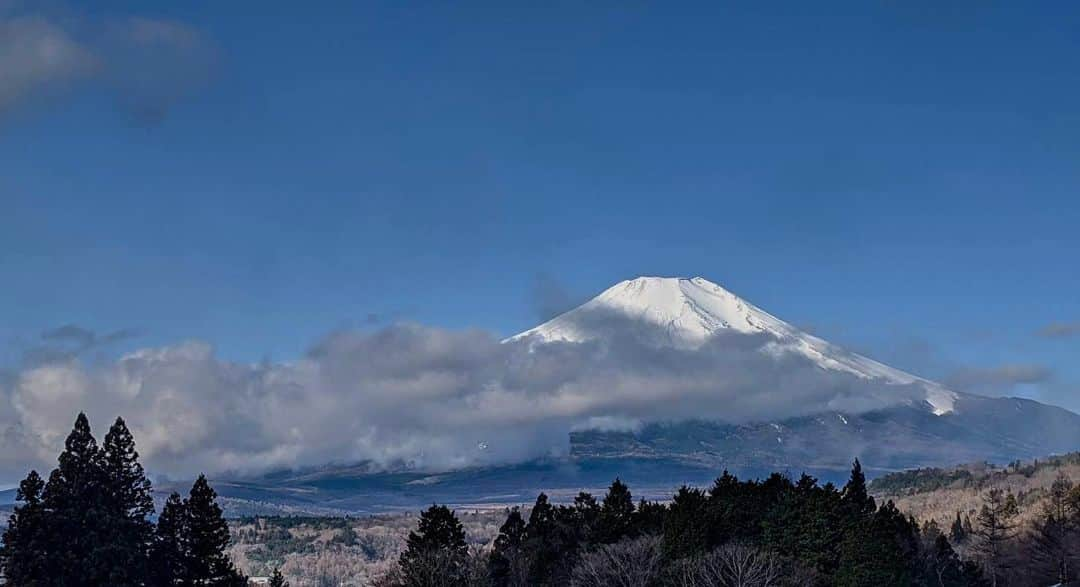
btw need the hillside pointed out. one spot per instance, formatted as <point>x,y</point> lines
<point>938,493</point>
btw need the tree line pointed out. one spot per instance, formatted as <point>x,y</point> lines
<point>91,524</point>
<point>771,532</point>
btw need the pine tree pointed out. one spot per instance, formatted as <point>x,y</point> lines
<point>77,514</point>
<point>616,520</point>
<point>207,539</point>
<point>507,563</point>
<point>128,502</point>
<point>276,580</point>
<point>23,556</point>
<point>855,495</point>
<point>880,551</point>
<point>687,525</point>
<point>169,551</point>
<point>436,552</point>
<point>542,541</point>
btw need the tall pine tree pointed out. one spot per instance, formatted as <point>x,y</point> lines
<point>23,559</point>
<point>128,503</point>
<point>208,539</point>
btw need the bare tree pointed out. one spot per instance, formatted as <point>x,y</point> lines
<point>994,527</point>
<point>629,563</point>
<point>1054,539</point>
<point>737,565</point>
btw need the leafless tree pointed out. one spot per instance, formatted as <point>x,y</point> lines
<point>737,565</point>
<point>630,563</point>
<point>994,527</point>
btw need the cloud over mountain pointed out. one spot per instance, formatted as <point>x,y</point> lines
<point>409,394</point>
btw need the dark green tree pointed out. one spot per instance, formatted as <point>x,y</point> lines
<point>855,496</point>
<point>128,503</point>
<point>77,514</point>
<point>878,550</point>
<point>207,539</point>
<point>616,519</point>
<point>169,551</point>
<point>436,552</point>
<point>276,580</point>
<point>686,527</point>
<point>23,559</point>
<point>507,563</point>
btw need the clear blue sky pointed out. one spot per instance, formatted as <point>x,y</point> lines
<point>902,177</point>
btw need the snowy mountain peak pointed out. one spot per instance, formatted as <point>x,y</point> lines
<point>686,312</point>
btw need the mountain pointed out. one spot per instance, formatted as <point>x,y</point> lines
<point>947,427</point>
<point>685,313</point>
<point>933,427</point>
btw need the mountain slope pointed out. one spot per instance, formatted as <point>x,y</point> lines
<point>685,313</point>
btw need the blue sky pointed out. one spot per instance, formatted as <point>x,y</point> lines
<point>900,177</point>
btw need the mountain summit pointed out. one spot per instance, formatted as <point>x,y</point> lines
<point>688,312</point>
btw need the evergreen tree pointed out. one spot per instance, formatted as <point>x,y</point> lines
<point>77,513</point>
<point>207,539</point>
<point>880,551</point>
<point>543,542</point>
<point>128,503</point>
<point>436,552</point>
<point>276,580</point>
<point>686,528</point>
<point>855,496</point>
<point>616,520</point>
<point>169,553</point>
<point>23,558</point>
<point>507,561</point>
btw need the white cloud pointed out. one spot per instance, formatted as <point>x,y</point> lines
<point>407,394</point>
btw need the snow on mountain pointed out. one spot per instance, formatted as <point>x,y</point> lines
<point>687,312</point>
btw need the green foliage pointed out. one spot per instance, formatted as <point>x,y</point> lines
<point>276,580</point>
<point>436,552</point>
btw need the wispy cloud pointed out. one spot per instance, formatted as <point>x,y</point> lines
<point>1060,330</point>
<point>998,380</point>
<point>147,63</point>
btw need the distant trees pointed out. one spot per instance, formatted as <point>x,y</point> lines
<point>89,524</point>
<point>767,533</point>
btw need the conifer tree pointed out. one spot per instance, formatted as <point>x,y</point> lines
<point>507,563</point>
<point>276,580</point>
<point>169,553</point>
<point>542,541</point>
<point>616,520</point>
<point>855,496</point>
<point>23,553</point>
<point>128,503</point>
<point>76,516</point>
<point>686,524</point>
<point>207,539</point>
<point>436,552</point>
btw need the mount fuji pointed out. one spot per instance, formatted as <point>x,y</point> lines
<point>939,427</point>
<point>686,313</point>
<point>922,423</point>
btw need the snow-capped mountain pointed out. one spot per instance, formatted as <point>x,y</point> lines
<point>685,313</point>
